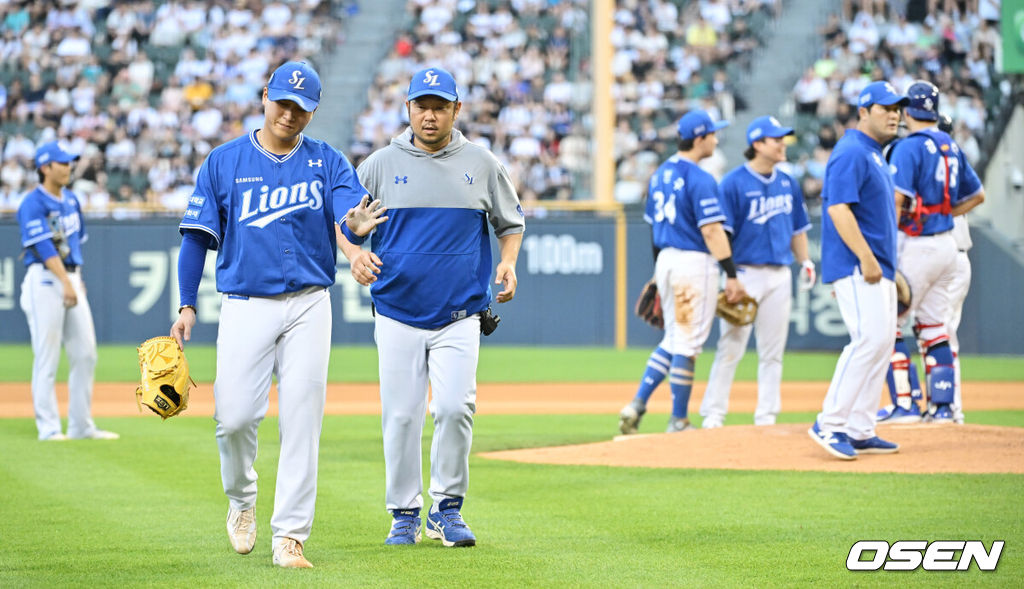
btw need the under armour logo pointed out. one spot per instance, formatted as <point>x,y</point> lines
<point>401,179</point>
<point>469,179</point>
<point>317,163</point>
<point>430,79</point>
<point>296,80</point>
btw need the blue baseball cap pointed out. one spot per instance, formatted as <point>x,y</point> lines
<point>698,123</point>
<point>882,93</point>
<point>296,81</point>
<point>53,152</point>
<point>433,81</point>
<point>762,127</point>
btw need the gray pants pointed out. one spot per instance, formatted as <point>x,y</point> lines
<point>410,359</point>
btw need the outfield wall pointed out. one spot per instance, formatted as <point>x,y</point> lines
<point>566,289</point>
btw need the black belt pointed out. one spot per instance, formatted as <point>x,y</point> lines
<point>68,267</point>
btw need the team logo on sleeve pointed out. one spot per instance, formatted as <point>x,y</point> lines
<point>261,208</point>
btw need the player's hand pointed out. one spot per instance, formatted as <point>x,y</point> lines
<point>870,269</point>
<point>734,290</point>
<point>182,328</point>
<point>362,218</point>
<point>505,274</point>
<point>365,267</point>
<point>70,296</point>
<point>807,278</point>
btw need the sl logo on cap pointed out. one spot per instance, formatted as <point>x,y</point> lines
<point>296,80</point>
<point>430,79</point>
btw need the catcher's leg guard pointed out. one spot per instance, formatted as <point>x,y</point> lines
<point>903,408</point>
<point>915,382</point>
<point>941,385</point>
<point>940,379</point>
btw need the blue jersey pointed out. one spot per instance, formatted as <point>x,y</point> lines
<point>858,175</point>
<point>270,217</point>
<point>40,215</point>
<point>681,198</point>
<point>766,213</point>
<point>921,163</point>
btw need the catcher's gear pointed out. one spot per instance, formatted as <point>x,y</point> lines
<point>165,379</point>
<point>903,294</point>
<point>648,306</point>
<point>739,313</point>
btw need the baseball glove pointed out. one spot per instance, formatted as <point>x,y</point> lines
<point>165,379</point>
<point>739,313</point>
<point>648,306</point>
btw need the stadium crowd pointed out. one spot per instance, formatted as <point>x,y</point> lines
<point>142,90</point>
<point>524,64</point>
<point>951,44</point>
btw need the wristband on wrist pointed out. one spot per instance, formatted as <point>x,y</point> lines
<point>183,307</point>
<point>352,237</point>
<point>728,267</point>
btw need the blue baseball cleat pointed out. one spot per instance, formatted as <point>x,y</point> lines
<point>446,524</point>
<point>405,528</point>
<point>875,445</point>
<point>897,414</point>
<point>836,443</point>
<point>942,414</point>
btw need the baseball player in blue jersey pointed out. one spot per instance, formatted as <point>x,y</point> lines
<point>934,183</point>
<point>769,227</point>
<point>53,298</point>
<point>429,272</point>
<point>858,257</point>
<point>688,225</point>
<point>268,203</point>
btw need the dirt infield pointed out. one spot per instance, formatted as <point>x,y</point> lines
<point>925,449</point>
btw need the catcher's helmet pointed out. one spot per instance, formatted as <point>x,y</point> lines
<point>946,124</point>
<point>924,101</point>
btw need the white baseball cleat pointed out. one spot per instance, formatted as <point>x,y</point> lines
<point>288,554</point>
<point>99,434</point>
<point>57,437</point>
<point>242,529</point>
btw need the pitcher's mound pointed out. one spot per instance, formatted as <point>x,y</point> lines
<point>924,448</point>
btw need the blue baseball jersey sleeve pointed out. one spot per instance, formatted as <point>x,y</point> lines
<point>40,215</point>
<point>765,213</point>
<point>682,198</point>
<point>270,217</point>
<point>858,175</point>
<point>923,163</point>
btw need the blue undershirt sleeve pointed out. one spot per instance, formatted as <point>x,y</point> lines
<point>191,259</point>
<point>45,249</point>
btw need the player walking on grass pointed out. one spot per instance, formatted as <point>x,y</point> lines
<point>769,222</point>
<point>434,263</point>
<point>934,183</point>
<point>268,202</point>
<point>53,298</point>
<point>687,225</point>
<point>858,257</point>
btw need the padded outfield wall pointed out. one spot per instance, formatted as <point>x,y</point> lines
<point>567,289</point>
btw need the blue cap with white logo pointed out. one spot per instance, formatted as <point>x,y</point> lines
<point>296,81</point>
<point>698,123</point>
<point>53,152</point>
<point>881,92</point>
<point>763,127</point>
<point>433,81</point>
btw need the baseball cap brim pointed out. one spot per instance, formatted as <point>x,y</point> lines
<point>718,126</point>
<point>446,95</point>
<point>891,100</point>
<point>304,103</point>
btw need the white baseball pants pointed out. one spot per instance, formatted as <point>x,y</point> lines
<point>869,312</point>
<point>51,325</point>
<point>772,288</point>
<point>288,335</point>
<point>410,359</point>
<point>688,285</point>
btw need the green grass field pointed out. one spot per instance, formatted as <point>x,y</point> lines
<point>148,510</point>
